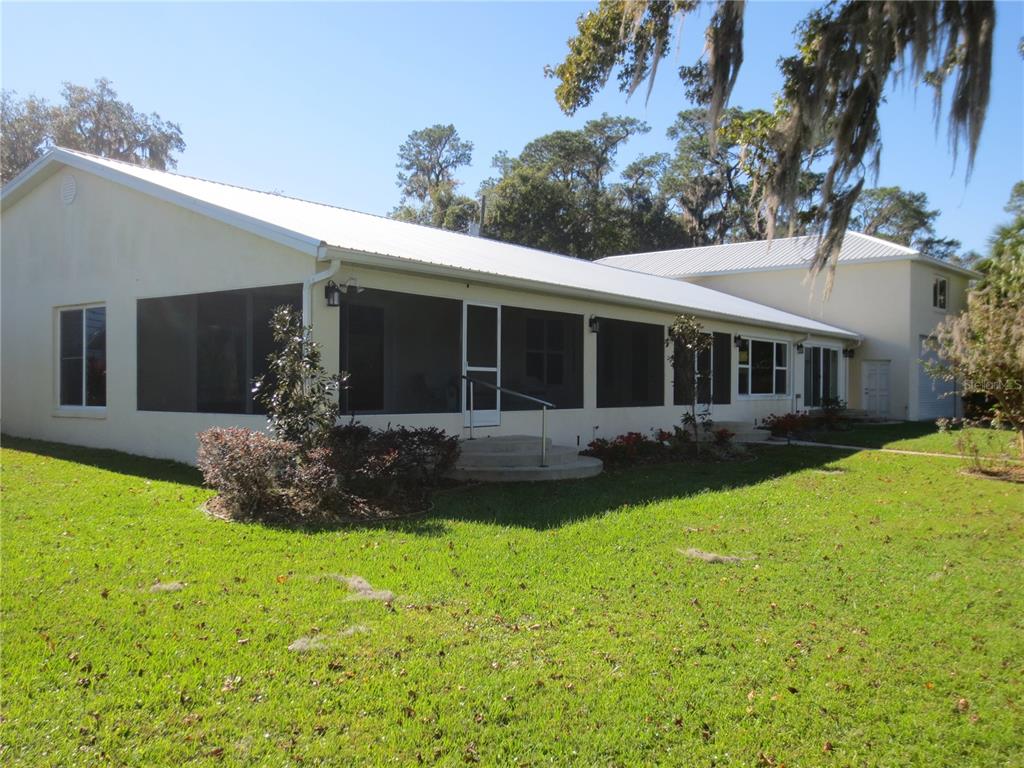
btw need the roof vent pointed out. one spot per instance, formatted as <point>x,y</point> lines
<point>68,189</point>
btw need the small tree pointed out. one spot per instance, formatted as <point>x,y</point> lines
<point>983,348</point>
<point>687,336</point>
<point>299,395</point>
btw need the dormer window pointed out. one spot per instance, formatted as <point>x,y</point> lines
<point>939,293</point>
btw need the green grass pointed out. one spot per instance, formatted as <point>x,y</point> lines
<point>539,625</point>
<point>922,436</point>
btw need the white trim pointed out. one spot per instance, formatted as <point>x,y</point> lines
<point>488,418</point>
<point>773,395</point>
<point>83,410</point>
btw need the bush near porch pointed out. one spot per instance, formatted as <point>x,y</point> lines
<point>874,621</point>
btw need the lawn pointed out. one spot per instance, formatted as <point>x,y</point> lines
<point>879,620</point>
<point>922,436</point>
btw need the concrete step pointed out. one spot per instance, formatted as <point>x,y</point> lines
<point>507,443</point>
<point>581,467</point>
<point>528,457</point>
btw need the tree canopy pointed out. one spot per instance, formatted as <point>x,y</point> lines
<point>90,120</point>
<point>902,217</point>
<point>848,54</point>
<point>427,163</point>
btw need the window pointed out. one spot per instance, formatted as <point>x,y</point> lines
<point>403,352</point>
<point>821,375</point>
<point>939,293</point>
<point>202,352</point>
<point>762,367</point>
<point>542,356</point>
<point>630,364</point>
<point>83,357</point>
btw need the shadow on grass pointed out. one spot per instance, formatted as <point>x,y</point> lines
<point>539,506</point>
<point>542,506</point>
<point>121,463</point>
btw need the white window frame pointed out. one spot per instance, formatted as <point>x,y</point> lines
<point>940,293</point>
<point>773,395</point>
<point>83,410</point>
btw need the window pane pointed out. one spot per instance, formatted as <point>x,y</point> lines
<point>71,357</point>
<point>761,367</point>
<point>832,385</point>
<point>96,356</point>
<point>222,372</point>
<point>541,356</point>
<point>365,358</point>
<point>555,369</point>
<point>403,351</point>
<point>780,381</point>
<point>167,354</point>
<point>482,336</point>
<point>780,355</point>
<point>808,376</point>
<point>744,353</point>
<point>816,382</point>
<point>483,397</point>
<point>630,364</point>
<point>535,333</point>
<point>743,382</point>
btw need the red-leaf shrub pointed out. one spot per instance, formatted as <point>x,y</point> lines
<point>249,469</point>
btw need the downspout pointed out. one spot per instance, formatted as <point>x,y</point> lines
<point>309,282</point>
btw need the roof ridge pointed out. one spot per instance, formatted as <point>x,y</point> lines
<point>714,245</point>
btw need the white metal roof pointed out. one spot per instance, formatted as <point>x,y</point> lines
<point>390,244</point>
<point>766,255</point>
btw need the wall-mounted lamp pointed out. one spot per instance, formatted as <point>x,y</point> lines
<point>799,348</point>
<point>739,341</point>
<point>351,283</point>
<point>594,323</point>
<point>848,353</point>
<point>332,293</point>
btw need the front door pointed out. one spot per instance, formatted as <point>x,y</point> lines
<point>481,338</point>
<point>875,374</point>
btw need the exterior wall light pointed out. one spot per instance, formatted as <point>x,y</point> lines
<point>332,293</point>
<point>594,323</point>
<point>799,349</point>
<point>739,341</point>
<point>848,353</point>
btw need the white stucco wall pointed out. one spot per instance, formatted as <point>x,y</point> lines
<point>115,246</point>
<point>888,302</point>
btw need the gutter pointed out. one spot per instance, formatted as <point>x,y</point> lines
<point>334,263</point>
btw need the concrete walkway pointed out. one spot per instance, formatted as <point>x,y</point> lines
<point>812,444</point>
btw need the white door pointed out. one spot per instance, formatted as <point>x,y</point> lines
<point>936,398</point>
<point>481,355</point>
<point>875,379</point>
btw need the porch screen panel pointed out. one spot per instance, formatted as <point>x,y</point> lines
<point>541,356</point>
<point>721,383</point>
<point>202,352</point>
<point>630,364</point>
<point>403,352</point>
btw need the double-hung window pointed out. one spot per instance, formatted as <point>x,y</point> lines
<point>763,367</point>
<point>939,290</point>
<point>82,363</point>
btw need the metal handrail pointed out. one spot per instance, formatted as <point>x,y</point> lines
<point>544,405</point>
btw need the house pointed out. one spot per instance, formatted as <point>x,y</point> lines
<point>136,302</point>
<point>891,295</point>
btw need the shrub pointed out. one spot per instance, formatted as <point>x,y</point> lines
<point>393,467</point>
<point>723,437</point>
<point>790,424</point>
<point>249,470</point>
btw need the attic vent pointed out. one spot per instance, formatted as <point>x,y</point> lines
<point>68,189</point>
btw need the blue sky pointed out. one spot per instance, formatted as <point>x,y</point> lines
<point>314,99</point>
